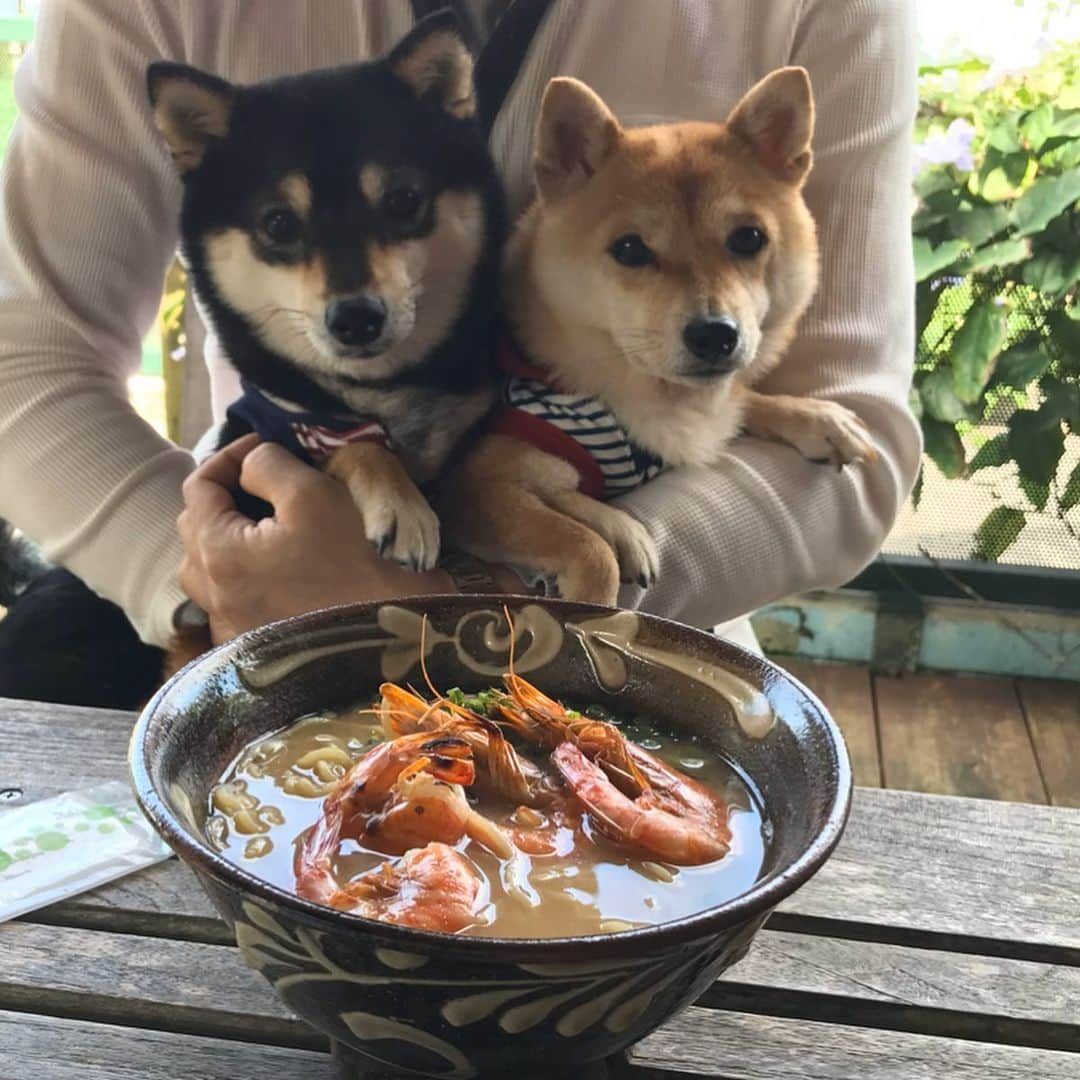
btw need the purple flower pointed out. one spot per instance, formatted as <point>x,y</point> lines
<point>951,147</point>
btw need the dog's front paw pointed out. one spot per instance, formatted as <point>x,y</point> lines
<point>826,432</point>
<point>635,550</point>
<point>397,517</point>
<point>403,527</point>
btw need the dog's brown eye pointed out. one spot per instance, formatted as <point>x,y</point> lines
<point>402,203</point>
<point>746,241</point>
<point>281,226</point>
<point>632,251</point>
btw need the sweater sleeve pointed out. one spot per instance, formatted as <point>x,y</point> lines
<point>88,210</point>
<point>764,523</point>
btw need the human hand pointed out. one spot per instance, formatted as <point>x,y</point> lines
<point>311,554</point>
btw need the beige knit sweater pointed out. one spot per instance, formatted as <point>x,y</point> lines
<point>89,211</point>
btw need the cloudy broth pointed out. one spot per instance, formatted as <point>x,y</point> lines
<point>274,792</point>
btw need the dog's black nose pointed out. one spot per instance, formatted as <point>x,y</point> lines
<point>356,321</point>
<point>713,340</point>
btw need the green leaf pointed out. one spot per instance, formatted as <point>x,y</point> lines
<point>1067,124</point>
<point>925,218</point>
<point>992,453</point>
<point>1051,272</point>
<point>1016,168</point>
<point>926,301</point>
<point>1036,443</point>
<point>1062,233</point>
<point>1021,365</point>
<point>1003,137</point>
<point>944,446</point>
<point>1066,332</point>
<point>969,65</point>
<point>1038,126</point>
<point>1071,495</point>
<point>1062,402</point>
<point>939,397</point>
<point>997,533</point>
<point>996,188</point>
<point>1003,253</point>
<point>1064,157</point>
<point>1037,493</point>
<point>917,490</point>
<point>932,181</point>
<point>1043,201</point>
<point>979,224</point>
<point>975,348</point>
<point>929,261</point>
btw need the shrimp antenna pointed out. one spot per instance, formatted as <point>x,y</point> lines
<point>441,700</point>
<point>423,659</point>
<point>513,635</point>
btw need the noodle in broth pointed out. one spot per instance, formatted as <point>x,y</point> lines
<point>275,790</point>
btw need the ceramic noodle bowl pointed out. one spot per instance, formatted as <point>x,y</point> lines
<point>407,1001</point>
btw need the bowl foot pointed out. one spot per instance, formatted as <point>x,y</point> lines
<point>353,1066</point>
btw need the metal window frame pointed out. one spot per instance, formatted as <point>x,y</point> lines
<point>1030,586</point>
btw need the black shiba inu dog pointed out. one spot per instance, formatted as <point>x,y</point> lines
<point>343,231</point>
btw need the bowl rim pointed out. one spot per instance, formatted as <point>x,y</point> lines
<point>758,900</point>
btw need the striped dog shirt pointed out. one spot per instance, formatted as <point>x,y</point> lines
<point>580,430</point>
<point>312,437</point>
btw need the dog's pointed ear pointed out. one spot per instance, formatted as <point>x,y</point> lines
<point>435,63</point>
<point>191,108</point>
<point>777,119</point>
<point>576,133</point>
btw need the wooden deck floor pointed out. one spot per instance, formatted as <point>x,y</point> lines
<point>992,738</point>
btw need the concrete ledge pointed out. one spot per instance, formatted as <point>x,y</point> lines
<point>948,635</point>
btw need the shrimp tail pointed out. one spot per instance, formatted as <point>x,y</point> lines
<point>312,867</point>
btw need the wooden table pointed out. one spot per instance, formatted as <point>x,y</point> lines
<point>942,940</point>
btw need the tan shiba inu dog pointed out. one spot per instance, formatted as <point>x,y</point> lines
<point>659,274</point>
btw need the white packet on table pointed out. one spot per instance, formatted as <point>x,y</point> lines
<point>71,843</point>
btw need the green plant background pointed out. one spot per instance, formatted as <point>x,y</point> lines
<point>996,236</point>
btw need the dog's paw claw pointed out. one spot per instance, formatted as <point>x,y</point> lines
<point>385,539</point>
<point>636,552</point>
<point>826,433</point>
<point>406,533</point>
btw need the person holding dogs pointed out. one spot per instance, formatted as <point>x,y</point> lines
<point>90,202</point>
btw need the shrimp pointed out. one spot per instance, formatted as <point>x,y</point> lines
<point>400,795</point>
<point>544,721</point>
<point>430,888</point>
<point>507,772</point>
<point>674,819</point>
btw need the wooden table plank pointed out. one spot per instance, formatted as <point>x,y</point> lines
<point>163,901</point>
<point>956,736</point>
<point>942,868</point>
<point>704,1042</point>
<point>846,692</point>
<point>206,989</point>
<point>987,990</point>
<point>157,983</point>
<point>1053,715</point>
<point>48,1048</point>
<point>48,749</point>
